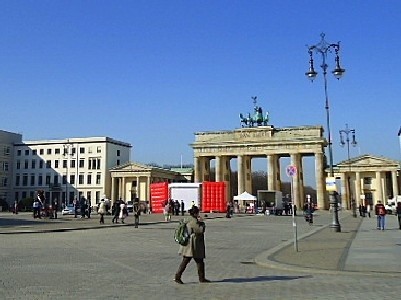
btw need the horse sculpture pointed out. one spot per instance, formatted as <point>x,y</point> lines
<point>257,119</point>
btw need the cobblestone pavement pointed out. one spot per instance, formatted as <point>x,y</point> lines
<point>123,262</point>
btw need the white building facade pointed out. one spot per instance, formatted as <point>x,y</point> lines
<point>7,141</point>
<point>67,169</point>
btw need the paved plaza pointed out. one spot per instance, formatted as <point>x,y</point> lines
<point>248,257</point>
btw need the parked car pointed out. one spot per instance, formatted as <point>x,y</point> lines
<point>69,210</point>
<point>391,208</point>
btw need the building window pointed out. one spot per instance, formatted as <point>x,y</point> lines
<point>18,152</point>
<point>26,164</point>
<point>93,163</point>
<point>4,181</point>
<point>64,179</point>
<point>98,163</point>
<point>73,151</point>
<point>17,180</point>
<point>56,162</point>
<point>72,163</point>
<point>81,179</point>
<point>118,162</point>
<point>49,151</point>
<point>48,164</point>
<point>72,179</point>
<point>5,166</point>
<point>89,149</point>
<point>47,179</point>
<point>41,151</point>
<point>41,164</point>
<point>81,163</point>
<point>55,179</point>
<point>18,165</point>
<point>26,152</point>
<point>367,180</point>
<point>25,179</point>
<point>89,179</point>
<point>6,150</point>
<point>32,179</point>
<point>118,152</point>
<point>98,178</point>
<point>40,180</point>
<point>82,150</point>
<point>24,195</point>
<point>34,152</point>
<point>33,164</point>
<point>99,149</point>
<point>57,151</point>
<point>64,163</point>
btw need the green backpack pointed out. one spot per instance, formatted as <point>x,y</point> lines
<point>181,234</point>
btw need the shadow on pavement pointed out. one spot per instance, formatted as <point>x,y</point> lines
<point>263,278</point>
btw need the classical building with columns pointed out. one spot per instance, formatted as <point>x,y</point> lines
<point>367,179</point>
<point>371,178</point>
<point>266,142</point>
<point>132,180</point>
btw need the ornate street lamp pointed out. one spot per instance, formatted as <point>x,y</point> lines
<point>347,131</point>
<point>323,48</point>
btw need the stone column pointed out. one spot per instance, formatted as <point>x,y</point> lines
<point>113,188</point>
<point>344,191</point>
<point>320,182</point>
<point>241,181</point>
<point>148,189</point>
<point>378,187</point>
<point>295,181</point>
<point>394,182</point>
<point>301,182</point>
<point>197,168</point>
<point>248,173</point>
<point>218,169</point>
<point>205,169</point>
<point>271,172</point>
<point>358,190</point>
<point>124,189</point>
<point>138,194</point>
<point>277,167</point>
<point>226,174</point>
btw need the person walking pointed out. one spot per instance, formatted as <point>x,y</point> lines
<point>101,211</point>
<point>380,212</point>
<point>398,211</point>
<point>55,208</point>
<point>116,211</point>
<point>195,248</point>
<point>166,209</point>
<point>123,211</point>
<point>83,206</point>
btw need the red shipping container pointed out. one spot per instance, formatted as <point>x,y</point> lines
<point>159,194</point>
<point>214,196</point>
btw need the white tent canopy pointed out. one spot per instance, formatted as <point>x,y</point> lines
<point>245,196</point>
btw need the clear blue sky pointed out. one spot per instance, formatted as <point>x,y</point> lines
<point>152,73</point>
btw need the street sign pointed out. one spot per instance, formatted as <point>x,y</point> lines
<point>291,171</point>
<point>331,184</point>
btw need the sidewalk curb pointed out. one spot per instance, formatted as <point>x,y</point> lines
<point>264,259</point>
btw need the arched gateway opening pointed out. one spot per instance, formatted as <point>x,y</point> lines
<point>219,148</point>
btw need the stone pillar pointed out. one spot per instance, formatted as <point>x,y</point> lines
<point>218,169</point>
<point>205,169</point>
<point>358,190</point>
<point>295,181</point>
<point>344,191</point>
<point>378,187</point>
<point>271,172</point>
<point>301,182</point>
<point>226,174</point>
<point>124,189</point>
<point>113,188</point>
<point>138,188</point>
<point>198,170</point>
<point>248,173</point>
<point>241,181</point>
<point>277,185</point>
<point>148,189</point>
<point>320,182</point>
<point>394,183</point>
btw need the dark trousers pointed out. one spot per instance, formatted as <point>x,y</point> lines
<point>399,220</point>
<point>136,220</point>
<point>115,218</point>
<point>101,218</point>
<point>199,263</point>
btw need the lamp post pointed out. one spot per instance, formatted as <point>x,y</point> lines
<point>323,48</point>
<point>346,132</point>
<point>66,153</point>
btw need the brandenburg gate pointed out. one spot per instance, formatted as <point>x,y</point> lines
<point>262,142</point>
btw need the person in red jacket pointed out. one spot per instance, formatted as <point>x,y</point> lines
<point>380,212</point>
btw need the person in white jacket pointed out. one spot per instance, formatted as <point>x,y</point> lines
<point>123,211</point>
<point>102,210</point>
